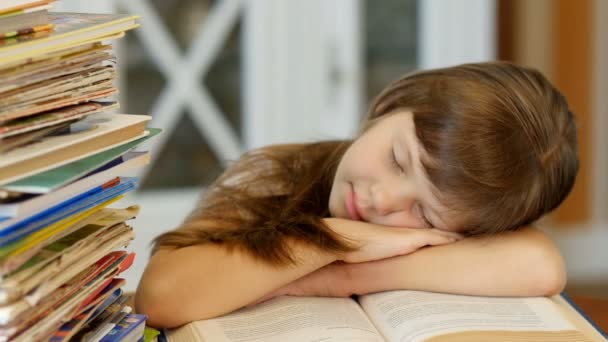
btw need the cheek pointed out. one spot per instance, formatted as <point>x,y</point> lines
<point>333,203</point>
<point>362,168</point>
<point>335,196</point>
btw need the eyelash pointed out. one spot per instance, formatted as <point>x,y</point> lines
<point>395,162</point>
<point>398,167</point>
<point>423,216</point>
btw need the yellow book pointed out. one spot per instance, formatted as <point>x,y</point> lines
<point>70,29</point>
<point>20,6</point>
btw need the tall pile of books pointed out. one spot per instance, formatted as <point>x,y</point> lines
<point>63,158</point>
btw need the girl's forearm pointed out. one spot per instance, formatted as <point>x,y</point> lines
<point>522,263</point>
<point>198,282</point>
<point>203,281</point>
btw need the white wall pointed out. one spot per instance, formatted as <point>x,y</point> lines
<point>584,250</point>
<point>456,32</point>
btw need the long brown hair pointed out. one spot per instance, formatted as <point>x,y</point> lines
<point>269,195</point>
<point>500,141</point>
<point>500,149</point>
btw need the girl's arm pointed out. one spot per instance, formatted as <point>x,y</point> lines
<point>203,281</point>
<point>520,263</point>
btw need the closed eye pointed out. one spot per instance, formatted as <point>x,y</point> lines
<point>395,163</point>
<point>423,216</point>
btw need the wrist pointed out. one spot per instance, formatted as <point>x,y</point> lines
<point>343,231</point>
<point>373,276</point>
<point>341,282</point>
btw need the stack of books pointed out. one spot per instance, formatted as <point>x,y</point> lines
<point>20,18</point>
<point>63,161</point>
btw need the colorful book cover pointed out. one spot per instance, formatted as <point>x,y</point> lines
<point>113,298</point>
<point>27,30</point>
<point>69,330</point>
<point>14,232</point>
<point>102,317</point>
<point>86,138</point>
<point>70,274</point>
<point>48,324</point>
<point>87,92</point>
<point>53,117</point>
<point>130,323</point>
<point>150,334</point>
<point>22,319</point>
<point>54,178</point>
<point>44,248</point>
<point>34,70</point>
<point>30,205</point>
<point>58,203</point>
<point>23,38</point>
<point>115,262</point>
<point>70,29</point>
<point>84,278</point>
<point>22,250</point>
<point>47,90</point>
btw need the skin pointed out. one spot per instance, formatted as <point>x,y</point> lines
<point>513,264</point>
<point>380,180</point>
<point>392,203</point>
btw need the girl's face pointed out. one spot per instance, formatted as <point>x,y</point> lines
<point>380,179</point>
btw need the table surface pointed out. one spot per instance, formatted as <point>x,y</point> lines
<point>594,308</point>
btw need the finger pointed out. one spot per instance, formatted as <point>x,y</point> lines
<point>439,239</point>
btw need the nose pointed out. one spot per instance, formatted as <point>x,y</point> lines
<point>390,199</point>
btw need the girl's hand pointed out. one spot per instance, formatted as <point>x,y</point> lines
<point>375,242</point>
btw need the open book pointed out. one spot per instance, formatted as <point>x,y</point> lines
<point>397,316</point>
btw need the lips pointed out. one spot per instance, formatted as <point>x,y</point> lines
<point>351,205</point>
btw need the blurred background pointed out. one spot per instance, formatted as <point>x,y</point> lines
<point>220,77</point>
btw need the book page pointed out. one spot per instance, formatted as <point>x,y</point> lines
<point>292,319</point>
<point>417,316</point>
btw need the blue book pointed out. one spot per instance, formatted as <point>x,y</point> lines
<point>63,210</point>
<point>130,328</point>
